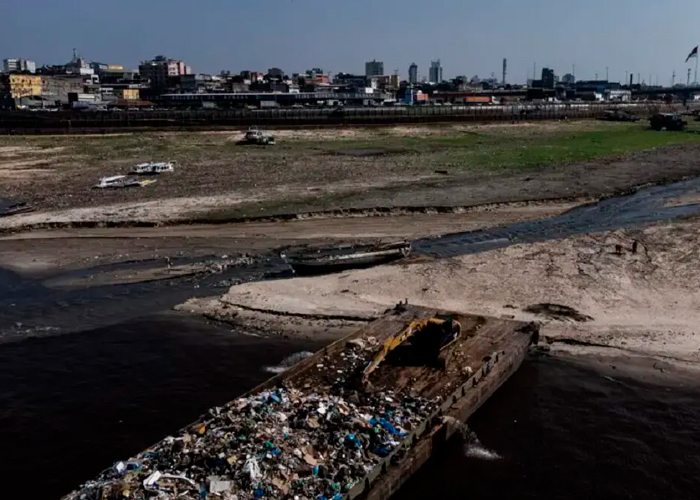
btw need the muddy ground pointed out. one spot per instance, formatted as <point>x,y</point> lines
<point>310,171</point>
<point>42,252</point>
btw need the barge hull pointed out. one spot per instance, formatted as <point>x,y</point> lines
<point>472,368</point>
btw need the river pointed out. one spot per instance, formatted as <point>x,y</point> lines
<point>94,375</point>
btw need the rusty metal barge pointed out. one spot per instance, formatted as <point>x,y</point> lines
<point>353,421</point>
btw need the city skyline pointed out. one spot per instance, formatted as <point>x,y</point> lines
<point>544,32</point>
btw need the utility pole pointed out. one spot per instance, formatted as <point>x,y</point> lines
<point>626,78</point>
<point>607,76</point>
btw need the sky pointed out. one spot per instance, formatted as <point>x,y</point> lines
<point>470,38</point>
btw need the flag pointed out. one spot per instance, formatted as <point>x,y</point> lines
<point>693,53</point>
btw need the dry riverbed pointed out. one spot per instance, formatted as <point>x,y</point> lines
<point>635,304</point>
<point>47,251</point>
<point>334,172</point>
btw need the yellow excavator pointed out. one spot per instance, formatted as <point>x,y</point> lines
<point>429,336</point>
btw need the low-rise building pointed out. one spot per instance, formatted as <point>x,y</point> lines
<point>58,87</point>
<point>17,85</point>
<point>161,69</point>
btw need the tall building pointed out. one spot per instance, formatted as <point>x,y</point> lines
<point>413,73</point>
<point>160,69</point>
<point>547,78</point>
<point>374,68</point>
<point>18,66</point>
<point>568,79</point>
<point>435,72</point>
<point>275,73</point>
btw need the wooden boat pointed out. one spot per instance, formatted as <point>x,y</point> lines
<point>348,258</point>
<point>17,208</point>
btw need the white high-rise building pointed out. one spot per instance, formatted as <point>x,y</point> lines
<point>18,65</point>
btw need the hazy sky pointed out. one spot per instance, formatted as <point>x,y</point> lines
<point>644,36</point>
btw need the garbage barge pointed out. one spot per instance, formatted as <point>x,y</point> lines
<point>353,421</point>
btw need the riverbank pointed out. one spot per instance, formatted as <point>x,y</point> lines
<point>46,252</point>
<point>579,288</point>
<point>395,170</point>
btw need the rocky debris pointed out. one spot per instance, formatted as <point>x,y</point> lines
<point>310,443</point>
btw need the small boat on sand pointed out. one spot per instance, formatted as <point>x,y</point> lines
<point>17,208</point>
<point>335,260</point>
<point>122,181</point>
<point>115,181</point>
<point>153,168</point>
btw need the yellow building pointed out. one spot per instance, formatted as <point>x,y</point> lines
<point>130,94</point>
<point>22,85</point>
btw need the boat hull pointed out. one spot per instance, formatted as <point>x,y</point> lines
<point>323,264</point>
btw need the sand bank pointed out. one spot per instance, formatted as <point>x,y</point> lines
<point>644,303</point>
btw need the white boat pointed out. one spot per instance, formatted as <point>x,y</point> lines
<point>152,168</point>
<point>122,181</point>
<point>115,181</point>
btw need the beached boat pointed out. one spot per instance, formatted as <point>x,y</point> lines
<point>348,258</point>
<point>122,181</point>
<point>17,208</point>
<point>115,181</point>
<point>153,168</point>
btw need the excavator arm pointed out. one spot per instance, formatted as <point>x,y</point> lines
<point>433,334</point>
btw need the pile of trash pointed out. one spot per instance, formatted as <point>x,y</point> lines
<point>279,444</point>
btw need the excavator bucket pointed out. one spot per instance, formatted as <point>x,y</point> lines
<point>428,336</point>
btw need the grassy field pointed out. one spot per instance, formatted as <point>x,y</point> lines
<point>519,149</point>
<point>328,168</point>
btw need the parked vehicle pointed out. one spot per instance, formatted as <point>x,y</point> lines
<point>256,136</point>
<point>668,121</point>
<point>619,115</point>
